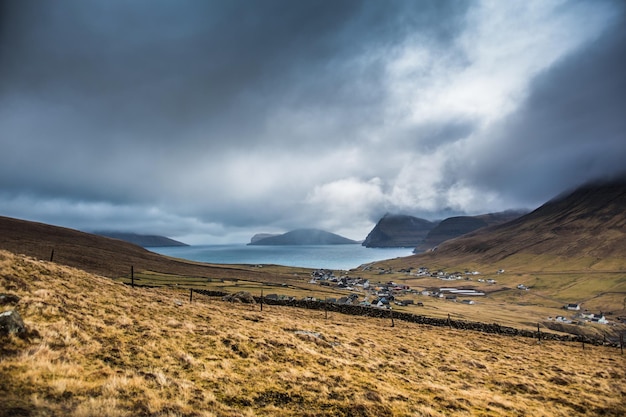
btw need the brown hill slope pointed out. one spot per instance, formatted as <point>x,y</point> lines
<point>99,348</point>
<point>145,241</point>
<point>583,229</point>
<point>98,254</point>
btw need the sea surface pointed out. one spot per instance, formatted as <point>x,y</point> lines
<point>336,257</point>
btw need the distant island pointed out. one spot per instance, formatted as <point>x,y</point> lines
<point>302,237</point>
<point>146,241</point>
<point>260,236</point>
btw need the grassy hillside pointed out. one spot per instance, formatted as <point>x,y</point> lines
<point>109,257</point>
<point>97,347</point>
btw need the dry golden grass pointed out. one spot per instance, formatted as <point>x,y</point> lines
<point>100,348</point>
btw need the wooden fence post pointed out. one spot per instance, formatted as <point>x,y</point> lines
<point>326,308</point>
<point>538,334</point>
<point>190,295</point>
<point>52,255</point>
<point>391,313</point>
<point>132,276</point>
<point>261,299</point>
<point>621,342</point>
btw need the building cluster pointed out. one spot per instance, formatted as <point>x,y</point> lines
<point>580,317</point>
<point>446,276</point>
<point>385,295</point>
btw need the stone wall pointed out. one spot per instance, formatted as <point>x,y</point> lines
<point>419,319</point>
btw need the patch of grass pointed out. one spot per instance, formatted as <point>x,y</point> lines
<point>103,348</point>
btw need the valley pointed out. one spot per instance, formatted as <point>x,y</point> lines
<point>110,328</point>
<point>96,347</point>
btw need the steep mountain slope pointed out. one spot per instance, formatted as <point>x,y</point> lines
<point>493,219</point>
<point>457,226</point>
<point>586,227</point>
<point>304,237</point>
<point>449,229</point>
<point>398,230</point>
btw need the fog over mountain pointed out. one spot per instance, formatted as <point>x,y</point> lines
<point>210,121</point>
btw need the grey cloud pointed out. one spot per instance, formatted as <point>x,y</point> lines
<point>569,130</point>
<point>212,115</point>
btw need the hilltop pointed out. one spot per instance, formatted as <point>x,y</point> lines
<point>398,230</point>
<point>303,237</point>
<point>146,241</point>
<point>96,347</point>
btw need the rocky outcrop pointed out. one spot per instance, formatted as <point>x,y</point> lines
<point>6,299</point>
<point>398,231</point>
<point>11,323</point>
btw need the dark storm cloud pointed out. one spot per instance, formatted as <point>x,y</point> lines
<point>571,129</point>
<point>117,88</point>
<point>162,65</point>
<point>226,117</point>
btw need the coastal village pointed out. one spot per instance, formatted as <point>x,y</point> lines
<point>387,294</point>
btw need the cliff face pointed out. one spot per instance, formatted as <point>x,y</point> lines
<point>260,236</point>
<point>397,231</point>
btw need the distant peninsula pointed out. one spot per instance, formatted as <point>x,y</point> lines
<point>302,237</point>
<point>146,241</point>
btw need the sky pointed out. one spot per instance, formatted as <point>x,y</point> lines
<point>210,121</point>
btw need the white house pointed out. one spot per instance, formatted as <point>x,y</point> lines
<point>599,318</point>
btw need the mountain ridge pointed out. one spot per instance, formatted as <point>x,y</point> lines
<point>453,227</point>
<point>586,225</point>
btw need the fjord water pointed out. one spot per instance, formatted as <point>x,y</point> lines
<point>315,256</point>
